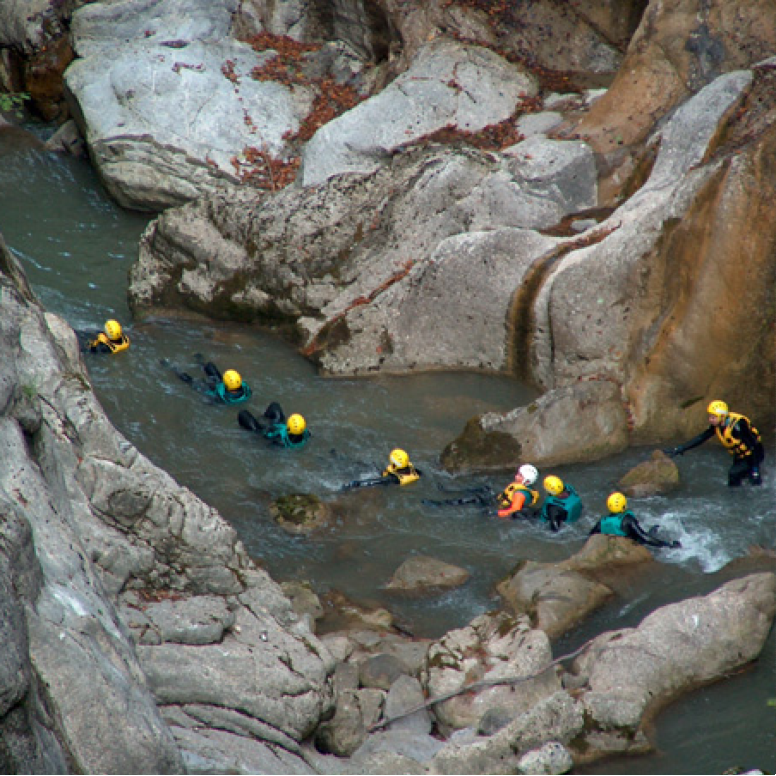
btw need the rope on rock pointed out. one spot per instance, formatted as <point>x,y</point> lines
<point>480,685</point>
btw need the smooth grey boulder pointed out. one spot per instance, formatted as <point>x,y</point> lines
<point>448,83</point>
<point>165,99</point>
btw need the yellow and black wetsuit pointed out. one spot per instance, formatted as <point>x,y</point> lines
<point>102,344</point>
<point>742,441</point>
<point>403,476</point>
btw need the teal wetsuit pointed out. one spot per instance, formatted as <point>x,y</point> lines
<point>625,524</point>
<point>278,433</point>
<point>220,394</point>
<point>273,426</point>
<point>557,510</point>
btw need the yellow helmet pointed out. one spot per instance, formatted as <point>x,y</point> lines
<point>553,485</point>
<point>717,408</point>
<point>232,380</point>
<point>296,424</point>
<point>113,329</point>
<point>616,503</point>
<point>399,458</point>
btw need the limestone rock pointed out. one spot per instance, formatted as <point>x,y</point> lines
<point>422,573</point>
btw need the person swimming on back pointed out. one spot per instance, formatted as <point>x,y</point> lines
<point>291,433</point>
<point>228,388</point>
<point>400,471</point>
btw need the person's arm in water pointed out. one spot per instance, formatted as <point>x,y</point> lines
<point>638,534</point>
<point>704,436</point>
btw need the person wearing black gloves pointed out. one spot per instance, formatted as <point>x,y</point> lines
<point>622,522</point>
<point>738,435</point>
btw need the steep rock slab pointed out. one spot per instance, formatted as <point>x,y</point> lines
<point>448,84</point>
<point>106,525</point>
<point>72,628</point>
<point>605,309</point>
<point>679,47</point>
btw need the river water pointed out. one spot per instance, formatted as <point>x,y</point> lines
<point>77,248</point>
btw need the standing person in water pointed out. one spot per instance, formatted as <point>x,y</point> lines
<point>228,388</point>
<point>291,433</point>
<point>738,435</point>
<point>518,499</point>
<point>562,503</point>
<point>110,340</point>
<point>622,522</point>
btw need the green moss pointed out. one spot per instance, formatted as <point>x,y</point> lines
<point>297,508</point>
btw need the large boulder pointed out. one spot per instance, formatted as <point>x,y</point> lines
<point>579,422</point>
<point>625,677</point>
<point>491,647</point>
<point>559,596</point>
<point>166,99</point>
<point>362,264</point>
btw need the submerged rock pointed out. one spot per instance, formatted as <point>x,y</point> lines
<point>424,574</point>
<point>658,475</point>
<point>300,513</point>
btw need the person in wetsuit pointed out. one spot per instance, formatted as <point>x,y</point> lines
<point>622,522</point>
<point>740,438</point>
<point>400,471</point>
<point>291,433</point>
<point>518,499</point>
<point>110,340</point>
<point>562,503</point>
<point>228,388</point>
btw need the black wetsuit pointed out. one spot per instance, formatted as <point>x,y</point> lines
<point>746,466</point>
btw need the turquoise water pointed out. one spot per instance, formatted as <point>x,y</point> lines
<point>77,247</point>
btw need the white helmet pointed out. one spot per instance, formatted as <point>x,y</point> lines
<point>529,473</point>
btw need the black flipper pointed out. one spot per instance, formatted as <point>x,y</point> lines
<point>368,483</point>
<point>211,370</point>
<point>249,422</point>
